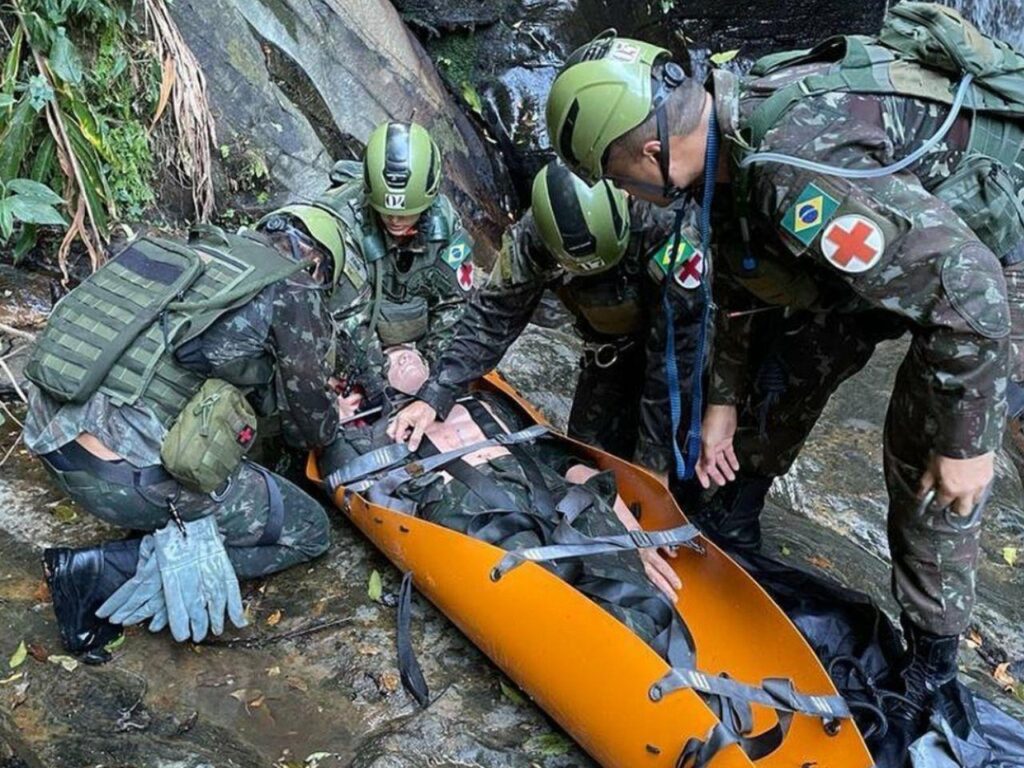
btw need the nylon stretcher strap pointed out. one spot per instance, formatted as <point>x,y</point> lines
<point>777,693</point>
<point>585,546</point>
<point>398,476</point>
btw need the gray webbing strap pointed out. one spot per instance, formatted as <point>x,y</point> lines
<point>397,477</point>
<point>371,463</point>
<point>698,753</point>
<point>584,546</point>
<point>777,693</point>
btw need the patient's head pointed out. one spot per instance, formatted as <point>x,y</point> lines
<point>407,370</point>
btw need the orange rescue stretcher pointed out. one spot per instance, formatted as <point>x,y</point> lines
<point>602,683</point>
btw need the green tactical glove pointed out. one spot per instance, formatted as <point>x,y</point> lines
<point>141,597</point>
<point>199,582</point>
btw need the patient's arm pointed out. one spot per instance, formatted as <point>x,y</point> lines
<point>658,571</point>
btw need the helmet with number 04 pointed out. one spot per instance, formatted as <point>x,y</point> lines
<point>605,89</point>
<point>401,169</point>
<point>585,227</point>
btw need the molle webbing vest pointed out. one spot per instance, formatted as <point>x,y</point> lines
<point>119,330</point>
<point>346,200</point>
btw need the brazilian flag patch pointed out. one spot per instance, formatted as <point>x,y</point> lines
<point>662,259</point>
<point>456,253</point>
<point>809,213</point>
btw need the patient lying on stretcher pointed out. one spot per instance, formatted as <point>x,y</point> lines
<point>510,496</point>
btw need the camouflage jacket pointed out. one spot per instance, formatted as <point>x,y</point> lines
<point>623,302</point>
<point>424,280</point>
<point>287,325</point>
<point>902,243</point>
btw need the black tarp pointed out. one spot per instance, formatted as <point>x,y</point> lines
<point>859,645</point>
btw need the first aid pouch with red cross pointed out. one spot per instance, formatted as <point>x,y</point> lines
<point>210,436</point>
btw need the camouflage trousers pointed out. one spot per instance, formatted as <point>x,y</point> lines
<point>606,404</point>
<point>242,511</point>
<point>807,356</point>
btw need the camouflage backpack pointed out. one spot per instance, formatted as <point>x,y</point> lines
<point>925,51</point>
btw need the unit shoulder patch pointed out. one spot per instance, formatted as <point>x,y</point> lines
<point>810,212</point>
<point>853,243</point>
<point>458,251</point>
<point>687,259</point>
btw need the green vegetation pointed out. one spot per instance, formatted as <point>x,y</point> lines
<point>456,55</point>
<point>80,88</point>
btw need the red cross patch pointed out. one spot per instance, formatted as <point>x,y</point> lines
<point>245,435</point>
<point>691,272</point>
<point>853,243</point>
<point>465,275</point>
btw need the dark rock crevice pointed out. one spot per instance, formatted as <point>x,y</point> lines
<point>302,92</point>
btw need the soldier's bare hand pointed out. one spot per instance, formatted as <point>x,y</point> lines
<point>958,483</point>
<point>410,424</point>
<point>660,573</point>
<point>717,463</point>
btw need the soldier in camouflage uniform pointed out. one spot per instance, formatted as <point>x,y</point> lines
<point>408,265</point>
<point>273,338</point>
<point>934,251</point>
<point>604,254</point>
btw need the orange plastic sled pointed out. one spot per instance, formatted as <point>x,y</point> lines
<point>590,672</point>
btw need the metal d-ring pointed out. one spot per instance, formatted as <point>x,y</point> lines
<point>957,522</point>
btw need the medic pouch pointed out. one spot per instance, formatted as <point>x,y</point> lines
<point>210,437</point>
<point>93,325</point>
<point>404,322</point>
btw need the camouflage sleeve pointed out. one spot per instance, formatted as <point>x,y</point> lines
<point>351,307</point>
<point>451,291</point>
<point>494,318</point>
<point>903,250</point>
<point>729,374</point>
<point>654,443</point>
<point>302,340</point>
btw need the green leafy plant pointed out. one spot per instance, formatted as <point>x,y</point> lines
<point>28,202</point>
<point>83,85</point>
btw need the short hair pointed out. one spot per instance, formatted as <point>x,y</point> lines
<point>683,110</point>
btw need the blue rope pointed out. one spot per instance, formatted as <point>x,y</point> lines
<point>685,466</point>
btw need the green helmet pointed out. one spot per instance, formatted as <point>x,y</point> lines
<point>401,169</point>
<point>604,90</point>
<point>586,228</point>
<point>318,224</point>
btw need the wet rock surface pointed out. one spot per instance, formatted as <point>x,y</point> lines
<point>501,56</point>
<point>297,84</point>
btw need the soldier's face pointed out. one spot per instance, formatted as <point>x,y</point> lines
<point>637,174</point>
<point>400,226</point>
<point>407,370</point>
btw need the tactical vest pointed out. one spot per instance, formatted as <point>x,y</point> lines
<point>119,331</point>
<point>396,319</point>
<point>611,303</point>
<point>923,51</point>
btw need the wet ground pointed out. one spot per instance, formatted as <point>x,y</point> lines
<point>314,680</point>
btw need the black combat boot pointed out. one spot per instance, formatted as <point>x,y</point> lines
<point>80,580</point>
<point>928,683</point>
<point>732,517</point>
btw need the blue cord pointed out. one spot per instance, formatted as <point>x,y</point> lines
<point>685,467</point>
